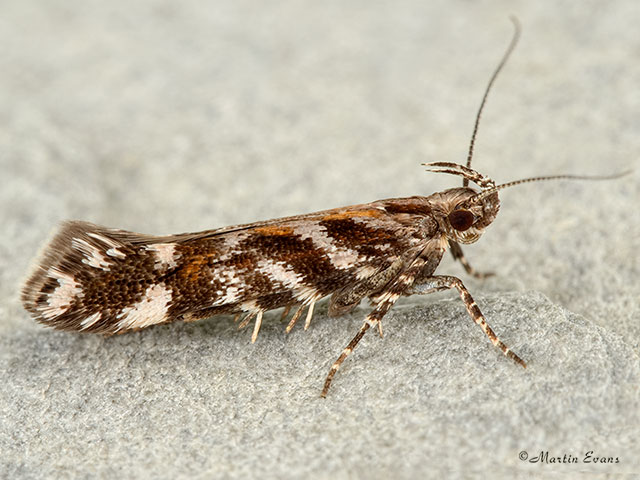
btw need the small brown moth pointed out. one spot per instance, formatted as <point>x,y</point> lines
<point>101,280</point>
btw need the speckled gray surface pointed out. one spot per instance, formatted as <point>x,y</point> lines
<point>164,117</point>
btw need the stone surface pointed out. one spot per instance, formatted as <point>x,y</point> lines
<point>164,117</point>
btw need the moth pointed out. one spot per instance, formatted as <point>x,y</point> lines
<point>101,280</point>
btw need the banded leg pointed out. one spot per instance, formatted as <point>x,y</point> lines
<point>456,252</point>
<point>372,320</point>
<point>443,282</point>
<point>384,302</point>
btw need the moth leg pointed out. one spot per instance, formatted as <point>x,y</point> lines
<point>372,320</point>
<point>384,302</point>
<point>444,282</point>
<point>456,252</point>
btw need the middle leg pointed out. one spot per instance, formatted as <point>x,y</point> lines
<point>384,301</point>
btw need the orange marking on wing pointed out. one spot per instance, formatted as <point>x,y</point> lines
<point>273,230</point>
<point>193,268</point>
<point>342,215</point>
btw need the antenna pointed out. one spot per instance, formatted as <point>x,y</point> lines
<point>505,57</point>
<point>479,196</point>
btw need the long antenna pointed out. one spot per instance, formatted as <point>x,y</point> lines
<point>505,57</point>
<point>479,196</point>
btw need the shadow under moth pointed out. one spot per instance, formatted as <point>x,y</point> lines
<point>101,280</point>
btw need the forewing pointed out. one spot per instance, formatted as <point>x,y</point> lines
<point>95,279</point>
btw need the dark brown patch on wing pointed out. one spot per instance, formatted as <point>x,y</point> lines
<point>359,236</point>
<point>408,205</point>
<point>299,254</point>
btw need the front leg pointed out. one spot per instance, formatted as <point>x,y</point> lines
<point>457,254</point>
<point>443,282</point>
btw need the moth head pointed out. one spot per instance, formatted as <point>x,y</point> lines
<point>462,217</point>
<point>469,218</point>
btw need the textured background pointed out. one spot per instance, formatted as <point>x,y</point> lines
<point>164,117</point>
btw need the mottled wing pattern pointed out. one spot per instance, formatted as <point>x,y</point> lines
<point>95,279</point>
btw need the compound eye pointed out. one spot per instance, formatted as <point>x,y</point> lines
<point>461,220</point>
